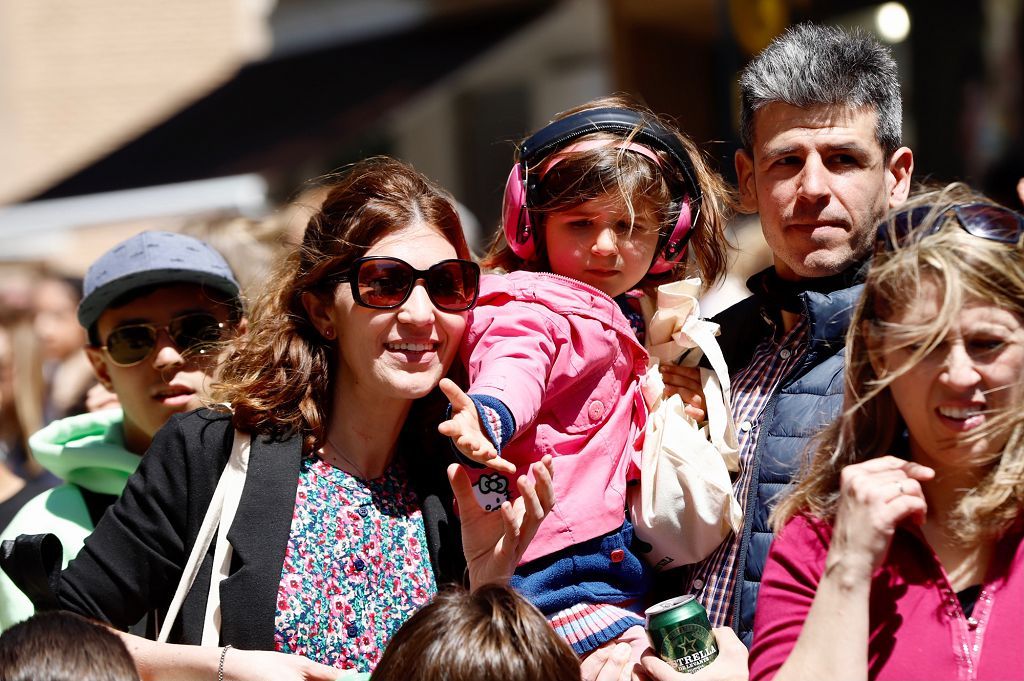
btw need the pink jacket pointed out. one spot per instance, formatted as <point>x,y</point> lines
<point>562,357</point>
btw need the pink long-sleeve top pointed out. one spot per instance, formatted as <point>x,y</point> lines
<point>561,356</point>
<point>917,629</point>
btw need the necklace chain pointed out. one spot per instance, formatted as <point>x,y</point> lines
<point>337,450</point>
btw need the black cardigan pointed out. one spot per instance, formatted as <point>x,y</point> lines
<point>133,561</point>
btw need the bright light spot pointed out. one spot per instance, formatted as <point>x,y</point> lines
<point>893,22</point>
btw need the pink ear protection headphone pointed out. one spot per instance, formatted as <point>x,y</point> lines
<point>522,181</point>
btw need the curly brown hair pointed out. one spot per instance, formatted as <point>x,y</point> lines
<point>278,377</point>
<point>587,174</point>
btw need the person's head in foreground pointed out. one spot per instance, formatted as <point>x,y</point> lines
<point>61,646</point>
<point>491,634</point>
<point>612,195</point>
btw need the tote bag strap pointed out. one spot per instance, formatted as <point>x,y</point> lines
<point>236,470</point>
<point>219,514</point>
<point>717,395</point>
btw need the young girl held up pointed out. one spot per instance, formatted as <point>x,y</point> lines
<point>602,204</point>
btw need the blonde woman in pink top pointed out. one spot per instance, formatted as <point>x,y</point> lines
<point>900,555</point>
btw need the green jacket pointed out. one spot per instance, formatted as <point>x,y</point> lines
<point>87,452</point>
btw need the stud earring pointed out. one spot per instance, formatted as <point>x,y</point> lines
<point>329,333</point>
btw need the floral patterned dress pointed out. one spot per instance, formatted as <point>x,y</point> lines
<point>356,566</point>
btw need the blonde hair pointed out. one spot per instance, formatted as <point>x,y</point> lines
<point>586,174</point>
<point>963,268</point>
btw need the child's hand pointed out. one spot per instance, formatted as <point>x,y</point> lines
<point>466,432</point>
<point>685,382</point>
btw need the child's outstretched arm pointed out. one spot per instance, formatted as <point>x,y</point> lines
<point>466,431</point>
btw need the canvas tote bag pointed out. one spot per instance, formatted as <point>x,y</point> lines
<point>685,506</point>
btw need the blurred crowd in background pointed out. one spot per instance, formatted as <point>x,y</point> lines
<point>44,372</point>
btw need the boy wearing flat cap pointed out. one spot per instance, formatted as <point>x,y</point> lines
<point>155,308</point>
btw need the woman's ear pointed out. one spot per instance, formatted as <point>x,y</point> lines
<point>873,344</point>
<point>320,314</point>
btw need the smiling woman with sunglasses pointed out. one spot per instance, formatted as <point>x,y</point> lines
<point>902,551</point>
<point>345,525</point>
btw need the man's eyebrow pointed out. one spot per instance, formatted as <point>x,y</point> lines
<point>786,150</point>
<point>848,146</point>
<point>781,151</point>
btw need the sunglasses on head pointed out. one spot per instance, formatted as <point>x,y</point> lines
<point>983,220</point>
<point>131,344</point>
<point>384,283</point>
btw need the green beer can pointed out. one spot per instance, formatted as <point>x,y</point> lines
<point>682,633</point>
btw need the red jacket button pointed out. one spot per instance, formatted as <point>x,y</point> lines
<point>617,555</point>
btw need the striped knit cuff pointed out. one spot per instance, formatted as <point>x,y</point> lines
<point>497,419</point>
<point>498,422</point>
<point>588,625</point>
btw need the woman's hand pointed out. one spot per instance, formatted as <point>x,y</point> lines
<point>614,663</point>
<point>875,496</point>
<point>685,382</point>
<point>494,542</point>
<point>465,430</point>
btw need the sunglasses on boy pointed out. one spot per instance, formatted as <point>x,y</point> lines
<point>131,344</point>
<point>983,220</point>
<point>384,283</point>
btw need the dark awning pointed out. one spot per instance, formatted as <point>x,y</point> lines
<point>281,113</point>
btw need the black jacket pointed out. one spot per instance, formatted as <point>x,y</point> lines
<point>134,559</point>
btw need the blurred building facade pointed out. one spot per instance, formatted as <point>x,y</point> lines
<point>270,94</point>
<point>79,79</point>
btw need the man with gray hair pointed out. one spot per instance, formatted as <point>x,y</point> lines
<point>822,163</point>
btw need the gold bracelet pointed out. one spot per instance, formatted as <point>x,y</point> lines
<point>220,666</point>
